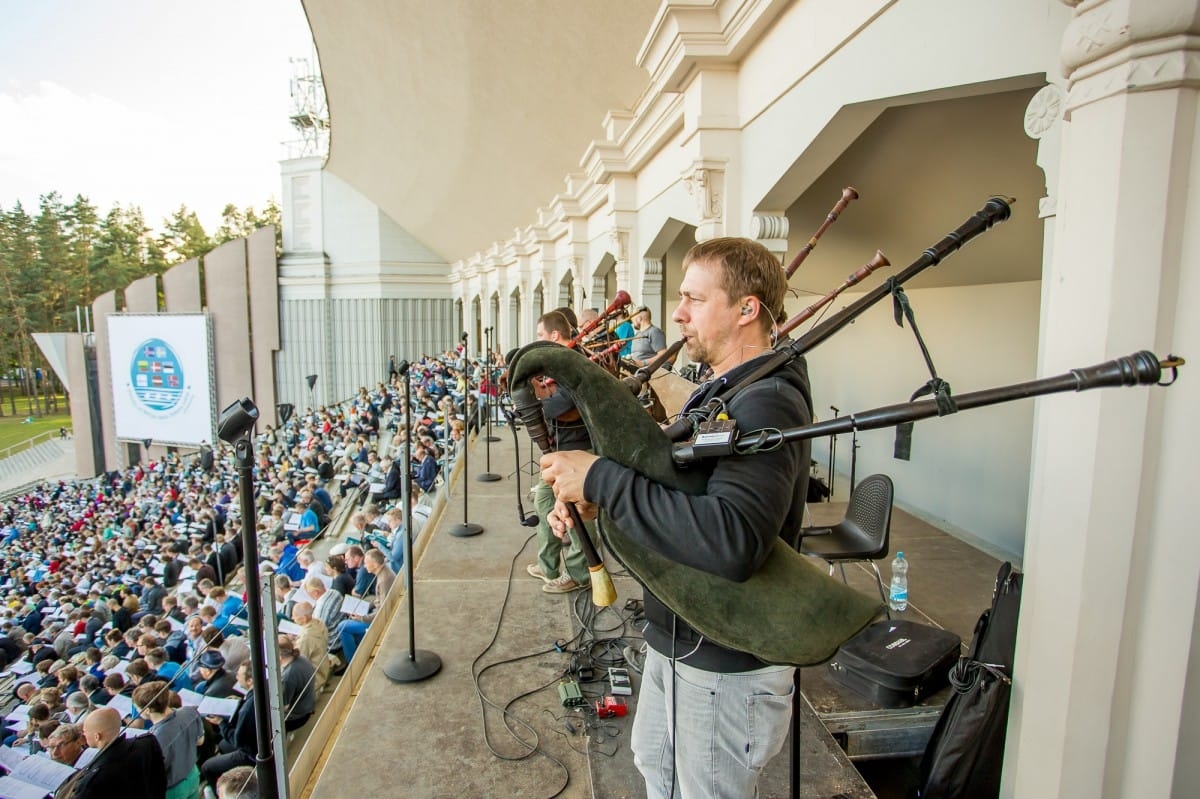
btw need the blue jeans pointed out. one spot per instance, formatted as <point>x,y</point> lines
<point>727,728</point>
<point>350,632</point>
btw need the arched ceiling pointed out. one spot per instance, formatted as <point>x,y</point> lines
<point>459,118</point>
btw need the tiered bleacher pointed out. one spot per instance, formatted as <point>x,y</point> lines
<point>122,596</point>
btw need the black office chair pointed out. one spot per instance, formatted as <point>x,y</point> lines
<point>861,536</point>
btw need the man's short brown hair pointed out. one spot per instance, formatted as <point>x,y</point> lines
<point>748,269</point>
<point>557,321</point>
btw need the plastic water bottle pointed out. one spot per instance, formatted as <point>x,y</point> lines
<point>898,598</point>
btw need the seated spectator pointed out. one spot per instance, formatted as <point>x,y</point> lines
<point>78,706</point>
<point>425,468</point>
<point>215,680</point>
<point>313,641</point>
<point>170,672</point>
<point>328,604</point>
<point>309,524</point>
<point>393,486</point>
<point>298,683</point>
<point>238,734</point>
<point>352,630</point>
<point>66,744</point>
<point>179,732</point>
<point>129,768</point>
<point>240,782</point>
<point>229,607</point>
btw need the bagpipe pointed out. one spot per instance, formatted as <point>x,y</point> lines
<point>790,611</point>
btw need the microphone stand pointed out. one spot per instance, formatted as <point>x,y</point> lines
<point>466,529</point>
<point>853,457</point>
<point>418,664</point>
<point>832,454</point>
<point>489,438</point>
<point>531,519</point>
<point>488,475</point>
<point>235,427</point>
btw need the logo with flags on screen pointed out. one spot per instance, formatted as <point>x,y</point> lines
<point>156,379</point>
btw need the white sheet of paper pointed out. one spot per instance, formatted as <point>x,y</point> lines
<point>215,706</point>
<point>10,758</point>
<point>190,698</point>
<point>13,788</point>
<point>43,771</point>
<point>355,606</point>
<point>122,704</point>
<point>290,627</point>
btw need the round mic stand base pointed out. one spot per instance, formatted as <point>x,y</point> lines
<point>413,666</point>
<point>488,477</point>
<point>465,530</point>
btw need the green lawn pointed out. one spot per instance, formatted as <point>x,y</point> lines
<point>13,431</point>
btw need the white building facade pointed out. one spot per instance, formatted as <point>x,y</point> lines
<point>757,113</point>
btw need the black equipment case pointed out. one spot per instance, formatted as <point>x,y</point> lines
<point>966,751</point>
<point>896,663</point>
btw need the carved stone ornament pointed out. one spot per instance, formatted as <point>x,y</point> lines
<point>1044,110</point>
<point>620,244</point>
<point>706,185</point>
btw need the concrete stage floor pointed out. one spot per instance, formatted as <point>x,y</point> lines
<point>490,723</point>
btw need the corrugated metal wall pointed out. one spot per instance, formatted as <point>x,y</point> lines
<point>346,342</point>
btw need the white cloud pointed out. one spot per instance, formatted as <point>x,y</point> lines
<point>156,109</point>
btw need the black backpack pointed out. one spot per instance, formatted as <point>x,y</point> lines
<point>966,751</point>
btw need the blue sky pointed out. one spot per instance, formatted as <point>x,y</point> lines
<point>147,102</point>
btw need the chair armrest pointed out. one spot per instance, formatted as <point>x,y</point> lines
<point>809,532</point>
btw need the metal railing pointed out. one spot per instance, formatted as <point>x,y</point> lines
<point>30,443</point>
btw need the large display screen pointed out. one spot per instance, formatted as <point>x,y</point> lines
<point>162,378</point>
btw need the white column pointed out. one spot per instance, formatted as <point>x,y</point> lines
<point>1106,673</point>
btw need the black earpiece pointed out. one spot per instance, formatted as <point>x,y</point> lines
<point>747,310</point>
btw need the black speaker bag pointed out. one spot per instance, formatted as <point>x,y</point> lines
<point>896,663</point>
<point>966,751</point>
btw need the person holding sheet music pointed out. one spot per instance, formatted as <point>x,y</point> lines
<point>327,603</point>
<point>351,631</point>
<point>238,734</point>
<point>312,640</point>
<point>309,523</point>
<point>179,732</point>
<point>129,768</point>
<point>393,485</point>
<point>297,680</point>
<point>66,744</point>
<point>215,681</point>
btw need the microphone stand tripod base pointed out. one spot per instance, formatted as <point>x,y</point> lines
<point>465,530</point>
<point>412,666</point>
<point>488,477</point>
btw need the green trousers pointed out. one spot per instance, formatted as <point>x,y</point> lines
<point>550,547</point>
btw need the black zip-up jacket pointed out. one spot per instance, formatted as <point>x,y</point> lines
<point>730,529</point>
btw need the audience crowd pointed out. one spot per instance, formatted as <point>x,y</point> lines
<point>122,612</point>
